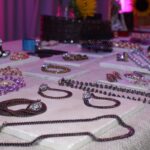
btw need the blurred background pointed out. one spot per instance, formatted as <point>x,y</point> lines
<point>21,18</point>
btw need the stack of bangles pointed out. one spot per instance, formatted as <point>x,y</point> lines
<point>11,79</point>
<point>19,56</point>
<point>74,57</point>
<point>124,44</point>
<point>56,69</point>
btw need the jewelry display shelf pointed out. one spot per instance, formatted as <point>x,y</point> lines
<point>7,62</point>
<point>71,108</point>
<point>125,66</point>
<point>60,61</point>
<point>36,71</point>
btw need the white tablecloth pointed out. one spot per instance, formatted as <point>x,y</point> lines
<point>135,114</point>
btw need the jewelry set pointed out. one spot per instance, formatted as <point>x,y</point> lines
<point>12,80</point>
<point>37,107</point>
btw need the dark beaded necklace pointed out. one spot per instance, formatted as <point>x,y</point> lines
<point>87,96</point>
<point>130,132</point>
<point>45,87</point>
<point>33,108</point>
<point>106,89</point>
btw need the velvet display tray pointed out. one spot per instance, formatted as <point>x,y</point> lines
<point>71,108</point>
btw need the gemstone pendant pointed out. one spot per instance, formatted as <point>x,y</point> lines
<point>87,95</point>
<point>36,106</point>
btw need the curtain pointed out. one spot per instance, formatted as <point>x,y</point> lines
<point>21,18</point>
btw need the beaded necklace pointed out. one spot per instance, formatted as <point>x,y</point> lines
<point>130,132</point>
<point>87,96</point>
<point>106,89</point>
<point>140,59</point>
<point>45,87</point>
<point>33,108</point>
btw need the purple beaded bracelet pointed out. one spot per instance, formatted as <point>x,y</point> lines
<point>11,79</point>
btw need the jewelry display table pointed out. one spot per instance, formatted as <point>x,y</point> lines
<point>132,112</point>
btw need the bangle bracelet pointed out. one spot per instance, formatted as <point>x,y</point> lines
<point>33,108</point>
<point>107,89</point>
<point>74,57</point>
<point>56,69</point>
<point>11,79</point>
<point>88,95</point>
<point>19,56</point>
<point>45,87</point>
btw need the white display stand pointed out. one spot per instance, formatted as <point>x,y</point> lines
<point>126,66</point>
<point>71,108</point>
<point>7,62</point>
<point>60,61</point>
<point>36,71</point>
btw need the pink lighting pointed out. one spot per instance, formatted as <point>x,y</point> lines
<point>126,6</point>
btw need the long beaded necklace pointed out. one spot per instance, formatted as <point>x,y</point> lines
<point>130,132</point>
<point>140,59</point>
<point>88,95</point>
<point>33,108</point>
<point>45,87</point>
<point>110,89</point>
